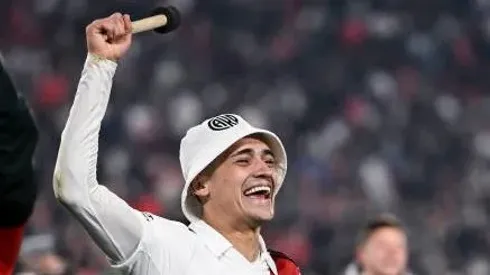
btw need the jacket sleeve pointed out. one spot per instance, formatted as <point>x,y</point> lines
<point>10,241</point>
<point>114,226</point>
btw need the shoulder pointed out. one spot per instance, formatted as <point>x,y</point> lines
<point>285,265</point>
<point>163,229</point>
<point>352,269</point>
<point>279,255</point>
<point>161,222</point>
<point>164,241</point>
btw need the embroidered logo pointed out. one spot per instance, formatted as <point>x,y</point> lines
<point>222,122</point>
<point>148,216</point>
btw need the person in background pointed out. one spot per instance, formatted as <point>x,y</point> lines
<point>382,248</point>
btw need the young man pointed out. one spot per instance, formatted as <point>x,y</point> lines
<point>18,138</point>
<point>232,174</point>
<point>382,248</point>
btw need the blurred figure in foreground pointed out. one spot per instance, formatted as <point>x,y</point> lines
<point>18,138</point>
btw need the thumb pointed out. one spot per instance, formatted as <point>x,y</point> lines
<point>127,23</point>
<point>94,27</point>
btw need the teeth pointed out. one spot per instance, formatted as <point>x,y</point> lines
<point>252,190</point>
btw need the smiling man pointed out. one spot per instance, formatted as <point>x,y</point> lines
<point>232,170</point>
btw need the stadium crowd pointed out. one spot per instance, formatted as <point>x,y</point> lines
<point>382,105</point>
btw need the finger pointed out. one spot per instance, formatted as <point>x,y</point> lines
<point>108,28</point>
<point>119,25</point>
<point>115,15</point>
<point>93,27</point>
<point>127,23</point>
<point>110,25</point>
<point>99,27</point>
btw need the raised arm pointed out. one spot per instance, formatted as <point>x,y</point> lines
<point>111,222</point>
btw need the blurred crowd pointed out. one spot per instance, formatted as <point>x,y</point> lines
<point>383,105</point>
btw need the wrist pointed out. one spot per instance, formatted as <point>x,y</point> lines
<point>96,58</point>
<point>97,61</point>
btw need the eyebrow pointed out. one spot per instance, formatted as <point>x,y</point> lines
<point>249,151</point>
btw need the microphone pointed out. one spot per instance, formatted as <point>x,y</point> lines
<point>162,20</point>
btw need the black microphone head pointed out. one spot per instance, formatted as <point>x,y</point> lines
<point>173,18</point>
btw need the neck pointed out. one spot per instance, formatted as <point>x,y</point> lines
<point>244,239</point>
<point>247,243</point>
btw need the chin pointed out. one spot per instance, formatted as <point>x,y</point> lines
<point>265,218</point>
<point>391,271</point>
<point>260,218</point>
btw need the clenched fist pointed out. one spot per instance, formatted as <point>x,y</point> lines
<point>109,37</point>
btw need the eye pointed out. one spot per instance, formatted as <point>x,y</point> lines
<point>242,161</point>
<point>270,161</point>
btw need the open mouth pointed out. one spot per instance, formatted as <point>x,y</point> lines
<point>258,192</point>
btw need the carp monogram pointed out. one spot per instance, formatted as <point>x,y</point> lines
<point>222,122</point>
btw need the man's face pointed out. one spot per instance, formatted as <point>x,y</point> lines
<point>385,252</point>
<point>241,184</point>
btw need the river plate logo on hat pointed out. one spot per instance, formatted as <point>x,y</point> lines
<point>222,122</point>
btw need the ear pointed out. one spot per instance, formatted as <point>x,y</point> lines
<point>200,187</point>
<point>360,255</point>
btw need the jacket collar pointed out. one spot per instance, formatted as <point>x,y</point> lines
<point>219,245</point>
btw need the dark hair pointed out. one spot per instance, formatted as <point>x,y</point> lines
<point>380,221</point>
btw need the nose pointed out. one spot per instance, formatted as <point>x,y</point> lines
<point>263,170</point>
<point>393,252</point>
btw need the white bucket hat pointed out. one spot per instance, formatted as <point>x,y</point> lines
<point>203,143</point>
